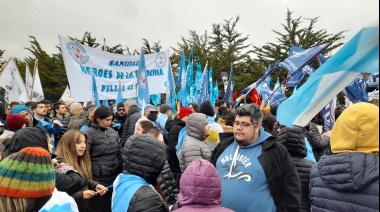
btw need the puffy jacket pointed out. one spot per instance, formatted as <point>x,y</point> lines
<point>105,152</point>
<point>201,189</point>
<point>320,145</point>
<point>134,114</point>
<point>168,184</point>
<point>194,146</point>
<point>145,157</point>
<point>172,142</point>
<point>294,142</point>
<point>345,182</point>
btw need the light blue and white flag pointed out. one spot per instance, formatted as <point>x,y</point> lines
<point>204,87</point>
<point>261,80</point>
<point>278,85</point>
<point>170,90</point>
<point>372,82</point>
<point>95,94</point>
<point>119,95</point>
<point>229,89</point>
<point>356,91</point>
<point>142,84</point>
<point>183,81</point>
<point>360,54</point>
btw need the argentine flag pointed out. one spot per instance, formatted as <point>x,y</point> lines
<point>360,54</point>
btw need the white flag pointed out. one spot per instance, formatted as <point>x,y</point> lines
<point>28,82</point>
<point>11,81</point>
<point>38,94</point>
<point>66,94</point>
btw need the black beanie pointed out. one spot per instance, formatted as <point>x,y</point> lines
<point>102,112</point>
<point>207,109</point>
<point>120,104</point>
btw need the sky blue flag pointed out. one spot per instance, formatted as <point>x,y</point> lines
<point>262,79</point>
<point>170,90</point>
<point>190,78</point>
<point>95,94</point>
<point>297,59</point>
<point>204,87</point>
<point>198,72</point>
<point>359,54</point>
<point>264,90</point>
<point>229,89</point>
<point>156,99</point>
<point>276,99</point>
<point>328,115</point>
<point>372,82</point>
<point>119,95</point>
<point>321,59</point>
<point>182,70</point>
<point>142,83</point>
<point>105,103</point>
<point>211,88</point>
<point>215,92</point>
<point>356,91</point>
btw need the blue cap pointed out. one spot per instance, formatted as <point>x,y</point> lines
<point>19,108</point>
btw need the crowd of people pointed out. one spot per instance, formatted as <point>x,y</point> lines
<point>232,157</point>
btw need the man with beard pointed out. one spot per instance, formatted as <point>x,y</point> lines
<point>252,162</point>
<point>40,112</point>
<point>119,120</point>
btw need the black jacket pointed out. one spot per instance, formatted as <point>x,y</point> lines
<point>280,171</point>
<point>133,115</point>
<point>105,152</point>
<point>168,185</point>
<point>320,145</point>
<point>172,142</point>
<point>293,140</point>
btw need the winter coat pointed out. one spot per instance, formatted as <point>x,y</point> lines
<point>119,120</point>
<point>134,114</point>
<point>294,141</point>
<point>105,152</point>
<point>345,182</point>
<point>226,128</point>
<point>145,157</point>
<point>178,125</point>
<point>75,121</point>
<point>168,184</point>
<point>194,146</point>
<point>201,189</point>
<point>278,166</point>
<point>320,145</point>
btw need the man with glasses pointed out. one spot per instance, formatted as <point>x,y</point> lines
<point>119,120</point>
<point>257,173</point>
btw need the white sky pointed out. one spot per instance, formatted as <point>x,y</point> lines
<point>126,22</point>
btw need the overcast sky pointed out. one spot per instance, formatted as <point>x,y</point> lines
<point>126,22</point>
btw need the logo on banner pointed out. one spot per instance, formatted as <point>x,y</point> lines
<point>307,70</point>
<point>142,80</point>
<point>167,85</point>
<point>160,60</point>
<point>77,52</point>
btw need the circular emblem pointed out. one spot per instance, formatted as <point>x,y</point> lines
<point>77,52</point>
<point>142,80</point>
<point>161,60</point>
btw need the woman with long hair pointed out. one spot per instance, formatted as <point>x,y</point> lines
<point>73,150</point>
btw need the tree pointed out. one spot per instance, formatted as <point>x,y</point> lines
<point>1,56</point>
<point>304,37</point>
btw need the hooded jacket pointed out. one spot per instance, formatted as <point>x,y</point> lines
<point>194,146</point>
<point>348,180</point>
<point>144,157</point>
<point>134,114</point>
<point>201,189</point>
<point>294,142</point>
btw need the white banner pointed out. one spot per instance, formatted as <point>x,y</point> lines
<point>80,61</point>
<point>28,81</point>
<point>11,81</point>
<point>66,93</point>
<point>38,93</point>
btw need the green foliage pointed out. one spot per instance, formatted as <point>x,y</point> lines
<point>2,62</point>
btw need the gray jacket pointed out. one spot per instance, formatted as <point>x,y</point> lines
<point>194,146</point>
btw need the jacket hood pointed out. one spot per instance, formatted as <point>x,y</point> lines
<point>200,184</point>
<point>195,125</point>
<point>357,129</point>
<point>349,172</point>
<point>293,139</point>
<point>144,156</point>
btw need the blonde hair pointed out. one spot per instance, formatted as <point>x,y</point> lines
<point>14,204</point>
<point>66,150</point>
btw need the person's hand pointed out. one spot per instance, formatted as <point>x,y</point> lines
<point>117,126</point>
<point>100,189</point>
<point>88,194</point>
<point>56,122</point>
<point>327,134</point>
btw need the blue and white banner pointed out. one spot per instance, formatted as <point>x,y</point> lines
<point>356,91</point>
<point>372,82</point>
<point>360,54</point>
<point>297,59</point>
<point>80,61</point>
<point>328,115</point>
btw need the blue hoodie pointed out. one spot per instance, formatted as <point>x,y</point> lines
<point>244,184</point>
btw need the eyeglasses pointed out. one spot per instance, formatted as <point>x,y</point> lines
<point>120,110</point>
<point>244,125</point>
